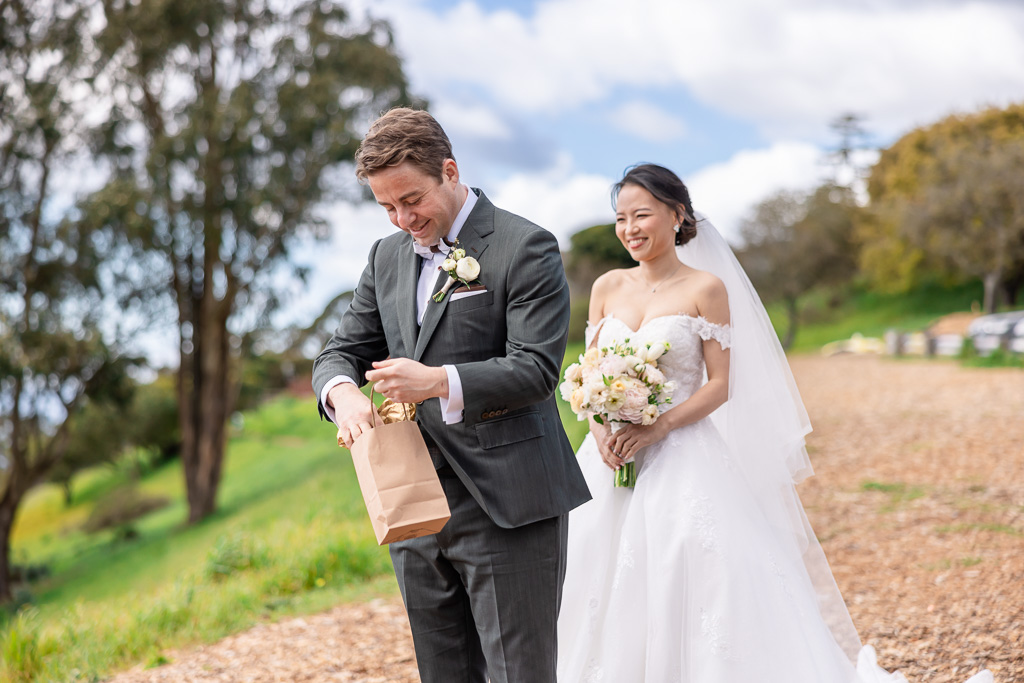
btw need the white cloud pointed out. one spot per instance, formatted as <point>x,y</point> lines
<point>562,200</point>
<point>470,120</point>
<point>788,67</point>
<point>647,121</point>
<point>338,262</point>
<point>726,192</point>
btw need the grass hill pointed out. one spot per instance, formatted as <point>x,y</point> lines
<point>291,535</point>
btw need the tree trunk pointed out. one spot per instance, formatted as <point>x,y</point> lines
<point>991,281</point>
<point>7,509</point>
<point>1011,288</point>
<point>14,491</point>
<point>792,315</point>
<point>204,412</point>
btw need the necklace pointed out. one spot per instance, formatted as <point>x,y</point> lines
<point>664,280</point>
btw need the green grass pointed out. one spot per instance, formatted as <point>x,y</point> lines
<point>897,493</point>
<point>290,536</point>
<point>827,316</point>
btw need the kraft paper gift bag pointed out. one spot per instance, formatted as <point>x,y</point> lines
<point>400,487</point>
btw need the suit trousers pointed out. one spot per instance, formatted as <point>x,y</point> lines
<point>482,600</point>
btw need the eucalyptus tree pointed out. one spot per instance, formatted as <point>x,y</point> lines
<point>226,122</point>
<point>58,350</point>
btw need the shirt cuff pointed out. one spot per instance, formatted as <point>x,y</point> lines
<point>452,407</point>
<point>335,381</point>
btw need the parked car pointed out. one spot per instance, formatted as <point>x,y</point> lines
<point>999,330</point>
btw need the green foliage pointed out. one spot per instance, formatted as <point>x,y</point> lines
<point>946,198</point>
<point>999,358</point>
<point>794,242</point>
<point>23,649</point>
<point>234,553</point>
<point>153,419</point>
<point>594,250</point>
<point>598,244</point>
<point>579,314</point>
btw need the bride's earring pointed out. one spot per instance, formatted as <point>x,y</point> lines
<point>677,228</point>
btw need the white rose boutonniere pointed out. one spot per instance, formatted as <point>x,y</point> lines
<point>460,268</point>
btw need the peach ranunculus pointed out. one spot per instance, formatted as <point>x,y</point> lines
<point>650,414</point>
<point>576,402</point>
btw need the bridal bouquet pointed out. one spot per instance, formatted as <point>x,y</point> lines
<point>620,383</point>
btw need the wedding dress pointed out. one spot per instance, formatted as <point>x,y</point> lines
<point>707,571</point>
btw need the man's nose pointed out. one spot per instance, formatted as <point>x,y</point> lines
<point>406,218</point>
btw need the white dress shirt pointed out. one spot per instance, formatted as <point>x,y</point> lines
<point>452,407</point>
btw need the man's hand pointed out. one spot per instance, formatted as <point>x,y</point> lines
<point>352,412</point>
<point>407,381</point>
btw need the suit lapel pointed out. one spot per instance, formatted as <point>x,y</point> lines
<point>409,264</point>
<point>473,238</point>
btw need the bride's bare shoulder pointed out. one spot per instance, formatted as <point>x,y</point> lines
<point>610,280</point>
<point>710,294</point>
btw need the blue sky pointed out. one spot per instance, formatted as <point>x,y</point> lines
<point>547,102</point>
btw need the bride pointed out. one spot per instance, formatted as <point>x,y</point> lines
<point>707,571</point>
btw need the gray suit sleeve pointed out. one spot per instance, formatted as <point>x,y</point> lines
<point>359,339</point>
<point>537,320</point>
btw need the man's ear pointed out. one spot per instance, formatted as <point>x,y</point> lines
<point>450,172</point>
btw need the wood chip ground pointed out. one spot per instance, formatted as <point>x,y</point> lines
<point>918,501</point>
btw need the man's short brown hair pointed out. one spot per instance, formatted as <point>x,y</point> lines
<point>403,135</point>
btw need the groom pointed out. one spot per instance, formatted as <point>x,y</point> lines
<point>482,594</point>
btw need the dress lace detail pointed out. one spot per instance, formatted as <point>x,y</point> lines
<point>709,330</point>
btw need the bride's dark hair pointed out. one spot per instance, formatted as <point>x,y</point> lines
<point>668,189</point>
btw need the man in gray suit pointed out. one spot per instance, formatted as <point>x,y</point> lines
<point>483,363</point>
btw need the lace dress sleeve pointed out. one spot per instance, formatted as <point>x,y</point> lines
<point>709,330</point>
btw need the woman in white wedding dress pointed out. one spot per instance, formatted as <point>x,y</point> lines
<point>707,571</point>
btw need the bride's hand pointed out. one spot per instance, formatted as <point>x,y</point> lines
<point>627,441</point>
<point>602,435</point>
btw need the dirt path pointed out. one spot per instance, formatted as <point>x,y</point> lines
<point>918,501</point>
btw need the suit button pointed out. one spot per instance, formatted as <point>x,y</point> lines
<point>483,416</point>
<point>504,411</point>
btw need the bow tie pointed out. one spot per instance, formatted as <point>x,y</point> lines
<point>429,251</point>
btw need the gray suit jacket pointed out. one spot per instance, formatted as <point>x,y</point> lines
<point>507,344</point>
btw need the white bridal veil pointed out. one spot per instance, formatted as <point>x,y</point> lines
<point>764,422</point>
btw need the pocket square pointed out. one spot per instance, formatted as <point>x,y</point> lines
<point>464,292</point>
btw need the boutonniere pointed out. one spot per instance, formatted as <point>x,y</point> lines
<point>460,268</point>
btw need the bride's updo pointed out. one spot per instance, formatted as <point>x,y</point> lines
<point>668,189</point>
